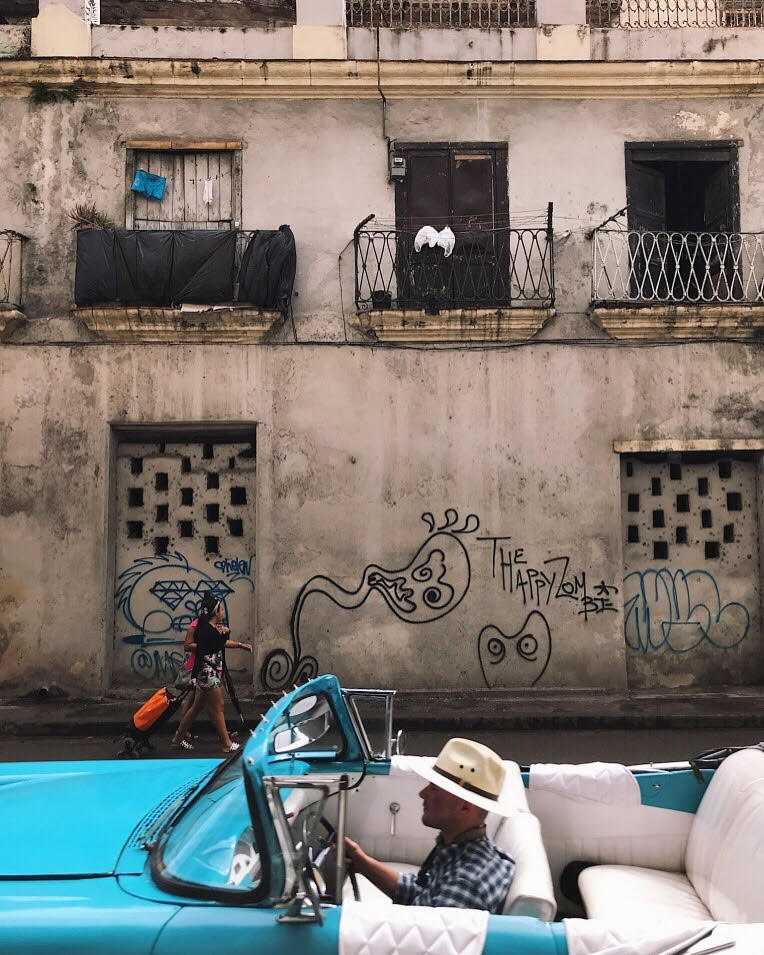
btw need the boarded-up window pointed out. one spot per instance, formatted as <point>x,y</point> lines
<point>203,189</point>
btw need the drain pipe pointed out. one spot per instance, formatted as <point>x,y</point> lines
<point>386,138</point>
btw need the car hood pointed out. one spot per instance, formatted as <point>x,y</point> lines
<point>73,819</point>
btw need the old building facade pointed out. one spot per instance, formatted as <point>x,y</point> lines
<point>522,448</point>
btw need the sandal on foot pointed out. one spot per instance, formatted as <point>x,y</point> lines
<point>181,744</point>
<point>232,748</point>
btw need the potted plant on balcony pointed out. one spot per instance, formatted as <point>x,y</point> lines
<point>87,216</point>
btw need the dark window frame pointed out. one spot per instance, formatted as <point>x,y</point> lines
<point>500,172</point>
<point>687,151</point>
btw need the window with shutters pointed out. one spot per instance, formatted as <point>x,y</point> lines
<point>682,187</point>
<point>202,190</point>
<point>684,197</point>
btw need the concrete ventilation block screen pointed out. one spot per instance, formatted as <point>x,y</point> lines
<point>690,532</point>
<point>185,524</point>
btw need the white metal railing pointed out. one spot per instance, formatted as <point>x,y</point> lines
<point>677,267</point>
<point>646,14</point>
<point>10,268</point>
<point>453,14</point>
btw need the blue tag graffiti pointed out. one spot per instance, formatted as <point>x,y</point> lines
<point>678,611</point>
<point>159,597</point>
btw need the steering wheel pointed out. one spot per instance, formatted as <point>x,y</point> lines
<point>324,851</point>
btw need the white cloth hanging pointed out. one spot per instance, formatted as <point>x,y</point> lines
<point>207,195</point>
<point>428,235</point>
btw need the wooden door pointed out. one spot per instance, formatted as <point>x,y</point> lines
<point>463,187</point>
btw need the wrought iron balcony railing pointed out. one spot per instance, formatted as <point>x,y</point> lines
<point>651,14</point>
<point>449,14</point>
<point>677,267</point>
<point>489,268</point>
<point>11,271</point>
<point>185,266</point>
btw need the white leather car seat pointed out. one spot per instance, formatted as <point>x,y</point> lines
<point>724,860</point>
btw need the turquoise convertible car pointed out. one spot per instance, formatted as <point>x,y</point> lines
<point>168,856</point>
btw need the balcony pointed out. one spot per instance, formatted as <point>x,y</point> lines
<point>685,284</point>
<point>652,14</point>
<point>446,14</point>
<point>183,285</point>
<point>497,284</point>
<point>11,280</point>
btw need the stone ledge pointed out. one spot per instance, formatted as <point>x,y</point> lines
<point>240,324</point>
<point>645,323</point>
<point>458,324</point>
<point>10,319</point>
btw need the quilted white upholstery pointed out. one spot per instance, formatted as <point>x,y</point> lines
<point>725,843</point>
<point>724,861</point>
<point>624,893</point>
<point>368,929</point>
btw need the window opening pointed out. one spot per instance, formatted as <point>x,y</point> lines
<point>681,197</point>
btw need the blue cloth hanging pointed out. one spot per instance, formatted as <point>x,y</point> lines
<point>148,184</point>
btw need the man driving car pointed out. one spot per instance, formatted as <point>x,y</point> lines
<point>465,869</point>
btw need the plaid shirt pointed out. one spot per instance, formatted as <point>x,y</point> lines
<point>471,874</point>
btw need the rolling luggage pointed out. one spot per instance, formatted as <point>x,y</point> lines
<point>154,713</point>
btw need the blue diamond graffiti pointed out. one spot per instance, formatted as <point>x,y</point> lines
<point>158,597</point>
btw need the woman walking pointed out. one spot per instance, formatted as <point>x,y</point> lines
<point>211,638</point>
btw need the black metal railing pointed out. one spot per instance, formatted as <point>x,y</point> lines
<point>677,267</point>
<point>185,266</point>
<point>11,267</point>
<point>489,268</point>
<point>447,14</point>
<point>656,14</point>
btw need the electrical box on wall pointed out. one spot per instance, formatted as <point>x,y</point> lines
<point>397,168</point>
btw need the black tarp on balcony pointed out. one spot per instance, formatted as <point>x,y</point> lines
<point>166,268</point>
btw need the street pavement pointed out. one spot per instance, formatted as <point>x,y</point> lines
<point>524,746</point>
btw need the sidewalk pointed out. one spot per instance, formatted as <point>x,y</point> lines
<point>453,710</point>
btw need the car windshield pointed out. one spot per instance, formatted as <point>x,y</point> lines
<point>212,843</point>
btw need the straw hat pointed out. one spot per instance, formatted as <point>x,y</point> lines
<point>471,771</point>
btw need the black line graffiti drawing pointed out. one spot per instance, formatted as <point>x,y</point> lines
<point>433,583</point>
<point>532,645</point>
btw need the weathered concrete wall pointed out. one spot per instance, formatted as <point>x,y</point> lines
<point>246,43</point>
<point>321,166</point>
<point>501,44</point>
<point>14,40</point>
<point>354,445</point>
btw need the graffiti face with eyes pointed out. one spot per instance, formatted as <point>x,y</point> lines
<point>517,659</point>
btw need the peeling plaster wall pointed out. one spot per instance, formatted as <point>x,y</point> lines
<point>354,445</point>
<point>321,166</point>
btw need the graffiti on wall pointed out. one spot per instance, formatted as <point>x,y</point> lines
<point>436,580</point>
<point>532,645</point>
<point>678,610</point>
<point>433,582</point>
<point>158,597</point>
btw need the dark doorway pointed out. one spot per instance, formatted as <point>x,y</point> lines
<point>685,198</point>
<point>464,187</point>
